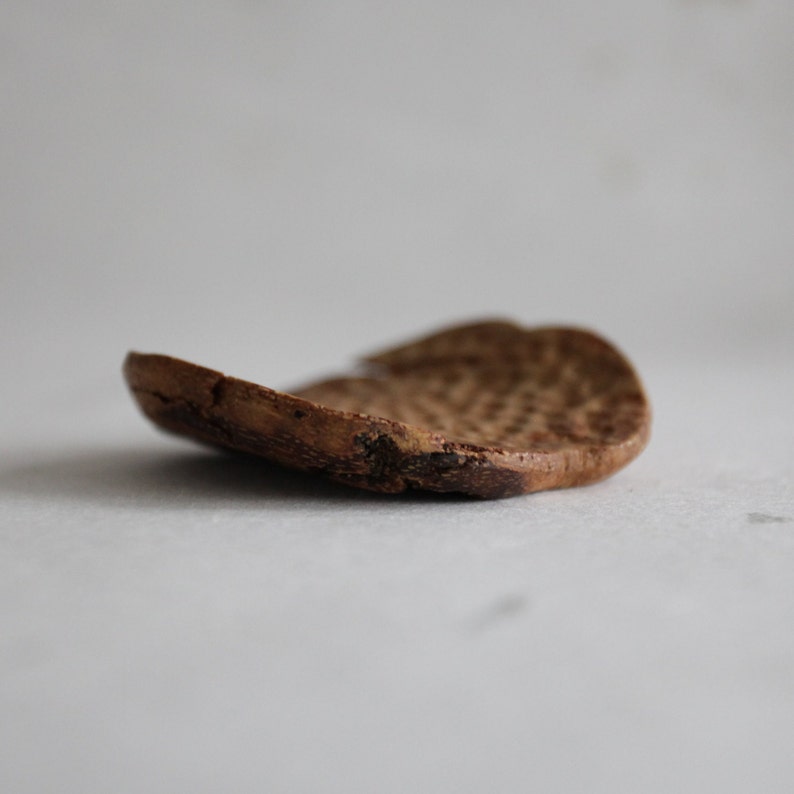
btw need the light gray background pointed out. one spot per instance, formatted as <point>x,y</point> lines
<point>272,189</point>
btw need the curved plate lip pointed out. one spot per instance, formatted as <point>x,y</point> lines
<point>192,400</point>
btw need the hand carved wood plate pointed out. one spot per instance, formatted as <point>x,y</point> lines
<point>488,409</point>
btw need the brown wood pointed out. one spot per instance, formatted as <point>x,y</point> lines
<point>488,409</point>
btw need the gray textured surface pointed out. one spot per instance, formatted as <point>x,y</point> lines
<point>272,191</point>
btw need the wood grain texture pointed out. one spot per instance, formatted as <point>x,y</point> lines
<point>488,409</point>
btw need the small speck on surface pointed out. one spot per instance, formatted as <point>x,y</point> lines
<point>765,518</point>
<point>508,606</point>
